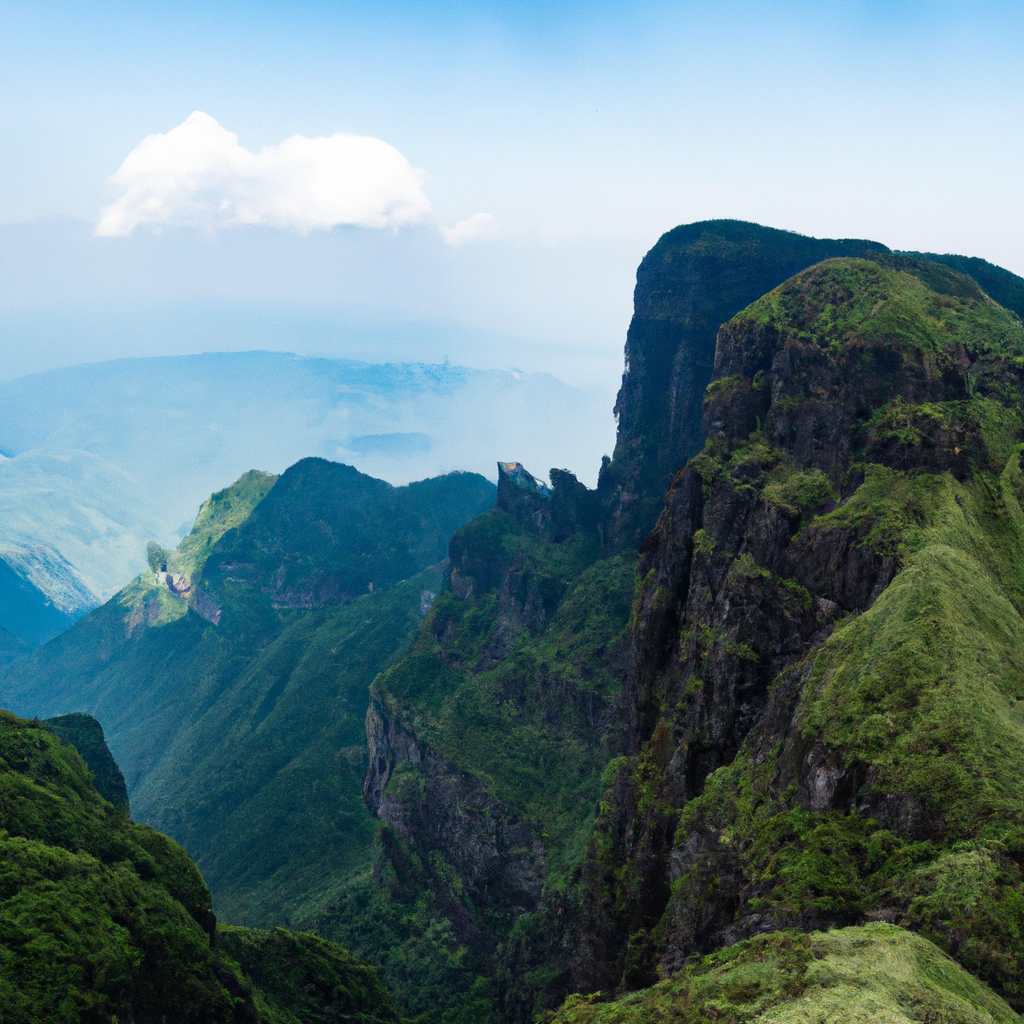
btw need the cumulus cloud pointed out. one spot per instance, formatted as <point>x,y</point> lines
<point>480,227</point>
<point>197,174</point>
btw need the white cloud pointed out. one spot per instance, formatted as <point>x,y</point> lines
<point>197,174</point>
<point>480,227</point>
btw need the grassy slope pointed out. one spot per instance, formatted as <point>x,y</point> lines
<point>923,690</point>
<point>503,719</point>
<point>856,975</point>
<point>222,511</point>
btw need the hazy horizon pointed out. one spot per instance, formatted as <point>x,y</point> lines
<point>481,180</point>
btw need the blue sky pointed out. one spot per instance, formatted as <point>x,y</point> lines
<point>584,130</point>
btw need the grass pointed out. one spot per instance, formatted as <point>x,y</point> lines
<point>850,975</point>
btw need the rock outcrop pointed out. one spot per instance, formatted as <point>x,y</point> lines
<point>852,411</point>
<point>694,279</point>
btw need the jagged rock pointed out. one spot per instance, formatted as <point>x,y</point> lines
<point>442,811</point>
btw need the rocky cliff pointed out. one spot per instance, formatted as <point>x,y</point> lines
<point>695,278</point>
<point>820,716</point>
<point>854,413</point>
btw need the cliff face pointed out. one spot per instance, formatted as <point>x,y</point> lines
<point>824,668</point>
<point>487,742</point>
<point>85,734</point>
<point>694,279</point>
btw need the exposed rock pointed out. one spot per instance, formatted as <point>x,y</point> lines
<point>695,278</point>
<point>441,810</point>
<point>205,606</point>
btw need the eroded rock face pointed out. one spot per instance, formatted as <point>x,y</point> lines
<point>440,810</point>
<point>743,576</point>
<point>697,277</point>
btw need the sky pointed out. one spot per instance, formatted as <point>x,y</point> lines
<point>471,181</point>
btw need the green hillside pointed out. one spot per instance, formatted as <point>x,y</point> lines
<point>102,919</point>
<point>241,733</point>
<point>846,976</point>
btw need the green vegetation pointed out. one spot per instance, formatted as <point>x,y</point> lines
<point>225,510</point>
<point>103,919</point>
<point>246,739</point>
<point>880,784</point>
<point>914,705</point>
<point>302,979</point>
<point>874,973</point>
<point>500,698</point>
<point>326,533</point>
<point>85,734</point>
<point>395,917</point>
<point>888,302</point>
<point>509,680</point>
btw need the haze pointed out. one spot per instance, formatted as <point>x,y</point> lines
<point>536,152</point>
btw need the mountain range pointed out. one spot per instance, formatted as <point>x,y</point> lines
<point>133,447</point>
<point>734,735</point>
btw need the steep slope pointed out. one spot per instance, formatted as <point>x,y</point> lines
<point>85,734</point>
<point>695,278</point>
<point>486,752</point>
<point>102,919</point>
<point>821,711</point>
<point>999,284</point>
<point>845,976</point>
<point>232,683</point>
<point>12,647</point>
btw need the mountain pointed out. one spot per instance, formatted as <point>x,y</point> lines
<point>231,679</point>
<point>99,459</point>
<point>735,734</point>
<point>581,785</point>
<point>102,919</point>
<point>694,279</point>
<point>40,595</point>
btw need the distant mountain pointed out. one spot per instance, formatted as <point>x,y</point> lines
<point>97,460</point>
<point>232,677</point>
<point>40,595</point>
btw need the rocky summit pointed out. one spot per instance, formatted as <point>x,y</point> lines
<point>737,735</point>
